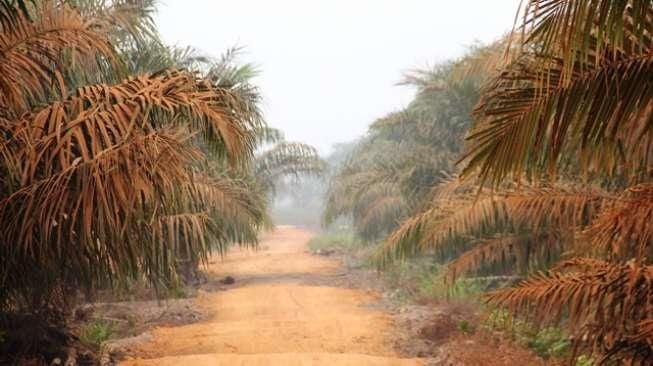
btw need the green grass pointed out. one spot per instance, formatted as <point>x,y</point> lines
<point>96,332</point>
<point>432,286</point>
<point>465,327</point>
<point>176,292</point>
<point>338,240</point>
<point>547,342</point>
<point>420,279</point>
<point>415,279</point>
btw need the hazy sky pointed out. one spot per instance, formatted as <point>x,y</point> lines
<point>329,67</point>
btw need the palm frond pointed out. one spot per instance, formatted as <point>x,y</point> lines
<point>207,109</point>
<point>514,252</point>
<point>286,159</point>
<point>66,215</point>
<point>94,175</point>
<point>482,62</point>
<point>456,217</point>
<point>602,303</point>
<point>560,207</point>
<point>270,135</point>
<point>32,51</point>
<point>125,21</point>
<point>587,28</point>
<point>12,10</point>
<point>528,122</point>
<point>624,228</point>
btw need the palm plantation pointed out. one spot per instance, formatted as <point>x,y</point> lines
<point>554,180</point>
<point>123,159</point>
<point>524,166</point>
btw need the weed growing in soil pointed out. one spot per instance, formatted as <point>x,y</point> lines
<point>547,342</point>
<point>465,327</point>
<point>96,332</point>
<point>177,292</point>
<point>336,240</point>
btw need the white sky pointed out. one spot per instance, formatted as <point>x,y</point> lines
<point>329,67</point>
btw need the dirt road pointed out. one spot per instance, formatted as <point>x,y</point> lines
<point>280,311</point>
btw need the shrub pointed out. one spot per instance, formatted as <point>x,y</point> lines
<point>95,333</point>
<point>338,240</point>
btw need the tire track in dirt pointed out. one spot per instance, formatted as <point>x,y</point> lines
<point>280,311</point>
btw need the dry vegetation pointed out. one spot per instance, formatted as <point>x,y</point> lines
<point>553,181</point>
<point>524,168</point>
<point>124,161</point>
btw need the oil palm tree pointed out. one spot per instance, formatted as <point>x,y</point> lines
<point>563,139</point>
<point>581,89</point>
<point>404,155</point>
<point>122,159</point>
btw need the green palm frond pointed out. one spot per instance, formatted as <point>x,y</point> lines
<point>286,159</point>
<point>128,23</point>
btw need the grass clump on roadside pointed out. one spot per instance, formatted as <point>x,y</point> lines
<point>96,332</point>
<point>421,280</point>
<point>546,342</point>
<point>342,240</point>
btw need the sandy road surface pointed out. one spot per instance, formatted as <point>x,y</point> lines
<point>280,311</point>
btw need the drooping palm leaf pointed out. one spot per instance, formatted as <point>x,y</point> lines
<point>32,52</point>
<point>624,228</point>
<point>602,302</point>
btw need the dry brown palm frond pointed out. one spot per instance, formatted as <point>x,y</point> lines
<point>642,339</point>
<point>513,251</point>
<point>89,167</point>
<point>184,236</point>
<point>452,185</point>
<point>236,207</point>
<point>118,18</point>
<point>483,62</point>
<point>11,10</point>
<point>587,28</point>
<point>466,219</point>
<point>580,264</point>
<point>79,204</point>
<point>625,228</point>
<point>537,209</point>
<point>602,302</point>
<point>528,125</point>
<point>228,195</point>
<point>562,207</point>
<point>32,54</point>
<point>429,229</point>
<point>98,117</point>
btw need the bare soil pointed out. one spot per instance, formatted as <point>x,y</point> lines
<point>284,307</point>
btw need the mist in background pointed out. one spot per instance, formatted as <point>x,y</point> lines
<point>329,68</point>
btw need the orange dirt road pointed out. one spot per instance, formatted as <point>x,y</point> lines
<point>280,311</point>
